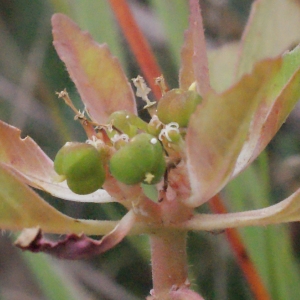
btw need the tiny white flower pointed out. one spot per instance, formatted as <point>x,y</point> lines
<point>118,137</point>
<point>173,126</point>
<point>142,90</point>
<point>95,142</point>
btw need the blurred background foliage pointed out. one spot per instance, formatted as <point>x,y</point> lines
<point>31,73</point>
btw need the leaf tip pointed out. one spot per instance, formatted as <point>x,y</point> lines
<point>27,236</point>
<point>57,18</point>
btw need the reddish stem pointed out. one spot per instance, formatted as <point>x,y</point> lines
<point>169,262</point>
<point>253,278</point>
<point>168,255</point>
<point>138,44</point>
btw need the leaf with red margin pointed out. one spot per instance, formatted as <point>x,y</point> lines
<point>285,211</point>
<point>220,126</point>
<point>75,246</point>
<point>272,28</point>
<point>279,99</point>
<point>98,76</point>
<point>26,158</point>
<point>194,61</point>
<point>21,207</point>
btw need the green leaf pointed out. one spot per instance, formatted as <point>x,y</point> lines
<point>272,28</point>
<point>98,76</point>
<point>21,207</point>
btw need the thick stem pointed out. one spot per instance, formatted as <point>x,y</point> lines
<point>169,262</point>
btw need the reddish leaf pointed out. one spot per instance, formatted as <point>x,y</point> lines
<point>75,246</point>
<point>97,75</point>
<point>219,128</point>
<point>285,211</point>
<point>186,73</point>
<point>24,155</point>
<point>193,54</point>
<point>278,100</point>
<point>26,158</point>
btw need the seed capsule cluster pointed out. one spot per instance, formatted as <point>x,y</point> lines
<point>141,160</point>
<point>82,166</point>
<point>139,150</point>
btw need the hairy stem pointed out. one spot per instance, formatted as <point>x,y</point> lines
<point>169,262</point>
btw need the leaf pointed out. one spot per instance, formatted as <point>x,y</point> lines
<point>285,211</point>
<point>26,158</point>
<point>193,54</point>
<point>186,73</point>
<point>279,98</point>
<point>75,246</point>
<point>21,207</point>
<point>219,128</point>
<point>222,66</point>
<point>272,28</point>
<point>279,270</point>
<point>97,75</point>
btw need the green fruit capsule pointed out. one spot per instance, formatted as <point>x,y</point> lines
<point>177,106</point>
<point>127,122</point>
<point>141,160</point>
<point>82,166</point>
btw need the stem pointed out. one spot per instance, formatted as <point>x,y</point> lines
<point>169,262</point>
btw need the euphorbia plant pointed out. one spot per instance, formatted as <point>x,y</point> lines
<point>196,141</point>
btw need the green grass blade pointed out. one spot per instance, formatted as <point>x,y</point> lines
<point>174,16</point>
<point>53,283</point>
